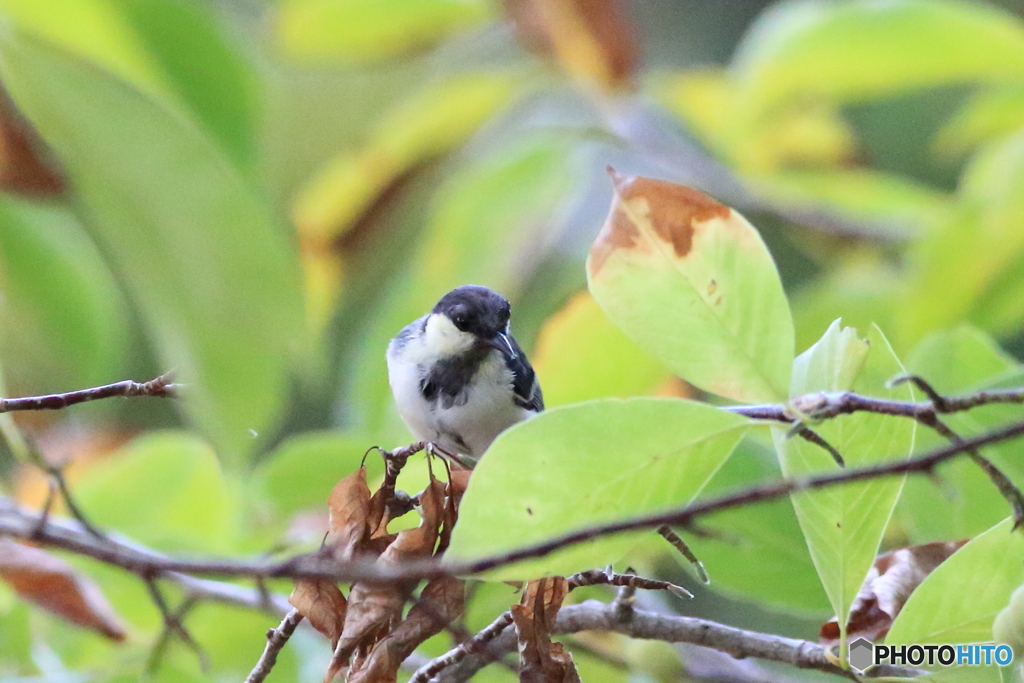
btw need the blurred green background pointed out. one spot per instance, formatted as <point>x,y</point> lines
<point>261,194</point>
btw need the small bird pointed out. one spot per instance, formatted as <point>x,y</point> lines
<point>458,376</point>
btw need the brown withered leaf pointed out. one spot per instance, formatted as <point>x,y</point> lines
<point>458,481</point>
<point>349,506</point>
<point>591,39</point>
<point>541,660</point>
<point>322,602</point>
<point>375,608</point>
<point>440,603</point>
<point>53,584</point>
<point>892,579</point>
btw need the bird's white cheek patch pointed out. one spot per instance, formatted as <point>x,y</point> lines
<point>444,339</point>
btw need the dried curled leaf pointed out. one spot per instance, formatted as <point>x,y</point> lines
<point>349,506</point>
<point>375,608</point>
<point>322,602</point>
<point>892,579</point>
<point>541,660</point>
<point>53,584</point>
<point>440,603</point>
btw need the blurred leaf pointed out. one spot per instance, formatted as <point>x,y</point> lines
<point>51,583</point>
<point>844,525</point>
<point>852,51</point>
<point>591,39</point>
<point>365,30</point>
<point>581,355</point>
<point>96,30</point>
<point>762,554</point>
<point>691,281</point>
<point>206,71</point>
<point>862,289</point>
<point>431,121</point>
<point>63,323</point>
<point>959,601</point>
<point>979,247</point>
<point>581,465</point>
<point>860,193</point>
<point>990,114</point>
<point>196,244</point>
<point>489,225</point>
<point>300,473</point>
<point>165,489</point>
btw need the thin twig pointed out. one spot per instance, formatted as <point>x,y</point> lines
<point>679,544</point>
<point>276,639</point>
<point>173,625</point>
<point>162,387</point>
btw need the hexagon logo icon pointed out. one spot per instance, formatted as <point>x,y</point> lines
<point>862,654</point>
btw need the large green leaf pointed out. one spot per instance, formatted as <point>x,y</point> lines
<point>865,48</point>
<point>843,525</point>
<point>209,76</point>
<point>197,245</point>
<point>63,321</point>
<point>581,465</point>
<point>165,489</point>
<point>692,283</point>
<point>958,601</point>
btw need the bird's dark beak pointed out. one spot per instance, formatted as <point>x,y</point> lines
<point>501,342</point>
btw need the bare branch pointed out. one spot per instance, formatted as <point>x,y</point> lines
<point>162,387</point>
<point>597,616</point>
<point>276,639</point>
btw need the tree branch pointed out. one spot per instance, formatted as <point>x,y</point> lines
<point>162,387</point>
<point>598,616</point>
<point>276,639</point>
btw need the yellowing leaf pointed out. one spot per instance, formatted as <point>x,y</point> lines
<point>429,122</point>
<point>692,283</point>
<point>365,30</point>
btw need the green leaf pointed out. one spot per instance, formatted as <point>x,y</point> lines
<point>843,525</point>
<point>960,361</point>
<point>165,489</point>
<point>852,51</point>
<point>63,322</point>
<point>958,601</point>
<point>987,116</point>
<point>979,246</point>
<point>581,355</point>
<point>197,245</point>
<point>366,30</point>
<point>762,555</point>
<point>585,464</point>
<point>206,72</point>
<point>691,282</point>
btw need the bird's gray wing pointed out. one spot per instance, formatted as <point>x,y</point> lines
<point>524,384</point>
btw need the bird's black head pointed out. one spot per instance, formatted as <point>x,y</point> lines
<point>475,309</point>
